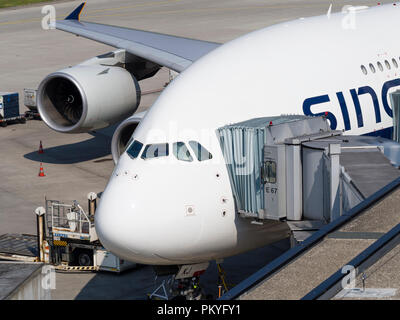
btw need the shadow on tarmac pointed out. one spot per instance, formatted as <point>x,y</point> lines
<point>97,147</point>
<point>137,283</point>
<point>91,149</point>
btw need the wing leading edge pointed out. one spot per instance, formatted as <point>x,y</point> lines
<point>176,53</point>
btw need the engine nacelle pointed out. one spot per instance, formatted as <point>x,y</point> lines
<point>122,135</point>
<point>87,97</point>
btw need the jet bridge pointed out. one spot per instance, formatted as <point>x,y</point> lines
<point>296,169</point>
<point>364,239</point>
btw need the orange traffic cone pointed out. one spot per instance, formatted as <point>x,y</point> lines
<point>41,147</point>
<point>41,172</point>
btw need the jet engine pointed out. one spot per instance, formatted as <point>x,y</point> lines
<point>87,97</point>
<point>122,135</point>
<point>94,94</point>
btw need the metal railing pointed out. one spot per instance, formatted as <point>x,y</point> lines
<point>333,285</point>
<point>67,217</point>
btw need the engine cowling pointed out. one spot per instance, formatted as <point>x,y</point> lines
<point>122,135</point>
<point>87,97</point>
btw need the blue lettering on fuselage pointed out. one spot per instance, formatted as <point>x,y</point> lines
<point>355,93</point>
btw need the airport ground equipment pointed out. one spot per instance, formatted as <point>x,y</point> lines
<point>66,238</point>
<point>73,242</point>
<point>30,101</point>
<point>9,109</point>
<point>297,170</point>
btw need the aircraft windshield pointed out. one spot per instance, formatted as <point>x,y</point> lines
<point>181,152</point>
<point>155,151</point>
<point>201,153</point>
<point>134,149</point>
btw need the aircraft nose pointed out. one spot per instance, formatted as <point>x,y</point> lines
<point>113,227</point>
<point>145,224</point>
<point>123,224</point>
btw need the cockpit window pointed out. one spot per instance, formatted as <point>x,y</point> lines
<point>181,152</point>
<point>201,153</point>
<point>134,149</point>
<point>155,150</point>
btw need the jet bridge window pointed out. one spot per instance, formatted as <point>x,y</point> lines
<point>134,149</point>
<point>269,171</point>
<point>201,153</point>
<point>181,152</point>
<point>155,151</point>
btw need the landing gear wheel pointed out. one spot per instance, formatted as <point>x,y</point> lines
<point>3,124</point>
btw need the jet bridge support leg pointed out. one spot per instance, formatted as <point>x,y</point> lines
<point>223,286</point>
<point>334,182</point>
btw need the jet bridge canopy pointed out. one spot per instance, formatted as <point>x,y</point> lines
<point>243,147</point>
<point>297,169</point>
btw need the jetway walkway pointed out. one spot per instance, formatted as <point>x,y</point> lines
<point>313,270</point>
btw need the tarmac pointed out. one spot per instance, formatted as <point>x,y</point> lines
<point>81,163</point>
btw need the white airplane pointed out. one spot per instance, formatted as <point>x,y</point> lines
<point>174,205</point>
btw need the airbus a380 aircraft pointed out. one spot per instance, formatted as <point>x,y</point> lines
<point>174,205</point>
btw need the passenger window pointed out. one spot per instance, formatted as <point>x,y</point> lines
<point>395,63</point>
<point>372,68</point>
<point>155,150</point>
<point>134,149</point>
<point>201,153</point>
<point>380,66</point>
<point>387,64</point>
<point>364,69</point>
<point>181,152</point>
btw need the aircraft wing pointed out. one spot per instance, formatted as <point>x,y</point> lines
<point>173,52</point>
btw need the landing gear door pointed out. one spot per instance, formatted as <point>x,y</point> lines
<point>274,180</point>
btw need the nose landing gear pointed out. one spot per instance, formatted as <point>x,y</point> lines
<point>183,284</point>
<point>182,289</point>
